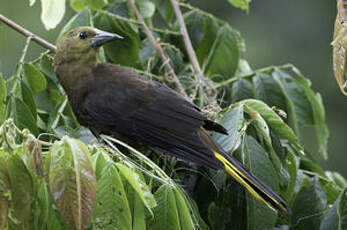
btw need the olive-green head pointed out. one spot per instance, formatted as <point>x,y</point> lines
<point>82,44</point>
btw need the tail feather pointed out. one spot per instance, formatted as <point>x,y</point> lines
<point>259,190</point>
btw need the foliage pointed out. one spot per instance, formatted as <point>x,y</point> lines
<point>53,174</point>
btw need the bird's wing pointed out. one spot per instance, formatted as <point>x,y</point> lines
<point>154,115</point>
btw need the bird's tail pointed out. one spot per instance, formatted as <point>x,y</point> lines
<point>258,189</point>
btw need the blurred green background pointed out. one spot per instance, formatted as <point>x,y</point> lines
<point>276,32</point>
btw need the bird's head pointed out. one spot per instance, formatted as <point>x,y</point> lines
<point>82,44</point>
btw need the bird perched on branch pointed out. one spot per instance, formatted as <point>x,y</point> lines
<point>112,100</point>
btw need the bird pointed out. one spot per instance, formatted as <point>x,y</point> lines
<point>113,100</point>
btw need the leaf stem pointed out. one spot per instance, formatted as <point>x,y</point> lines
<point>166,61</point>
<point>27,33</point>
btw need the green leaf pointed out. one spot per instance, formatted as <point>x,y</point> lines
<point>52,12</point>
<point>146,8</point>
<point>263,135</point>
<point>202,31</point>
<point>23,116</point>
<point>4,191</point>
<point>241,89</point>
<point>28,99</point>
<point>165,213</point>
<point>337,178</point>
<point>315,99</point>
<point>97,4</point>
<point>233,122</point>
<point>259,215</point>
<point>308,205</point>
<point>138,209</point>
<point>3,95</point>
<point>184,210</point>
<point>292,165</point>
<point>336,216</point>
<point>80,19</point>
<point>243,68</point>
<point>22,192</point>
<point>72,181</point>
<point>242,4</point>
<point>125,52</point>
<point>275,121</point>
<point>138,185</point>
<point>78,5</point>
<point>165,10</point>
<point>112,209</point>
<point>34,78</point>
<point>223,59</point>
<point>268,91</point>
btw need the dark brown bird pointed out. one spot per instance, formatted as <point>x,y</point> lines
<point>116,101</point>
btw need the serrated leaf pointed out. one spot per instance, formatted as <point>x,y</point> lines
<point>52,12</point>
<point>138,185</point>
<point>275,121</point>
<point>34,78</point>
<point>72,181</point>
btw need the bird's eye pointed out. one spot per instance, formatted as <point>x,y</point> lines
<point>82,35</point>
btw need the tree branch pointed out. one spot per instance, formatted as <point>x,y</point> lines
<point>206,83</point>
<point>166,61</point>
<point>27,33</point>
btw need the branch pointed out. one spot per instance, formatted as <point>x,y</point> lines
<point>206,83</point>
<point>166,61</point>
<point>27,33</point>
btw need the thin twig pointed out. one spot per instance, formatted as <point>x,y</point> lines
<point>20,65</point>
<point>206,83</point>
<point>166,61</point>
<point>27,33</point>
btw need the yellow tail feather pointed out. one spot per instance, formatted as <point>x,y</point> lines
<point>252,185</point>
